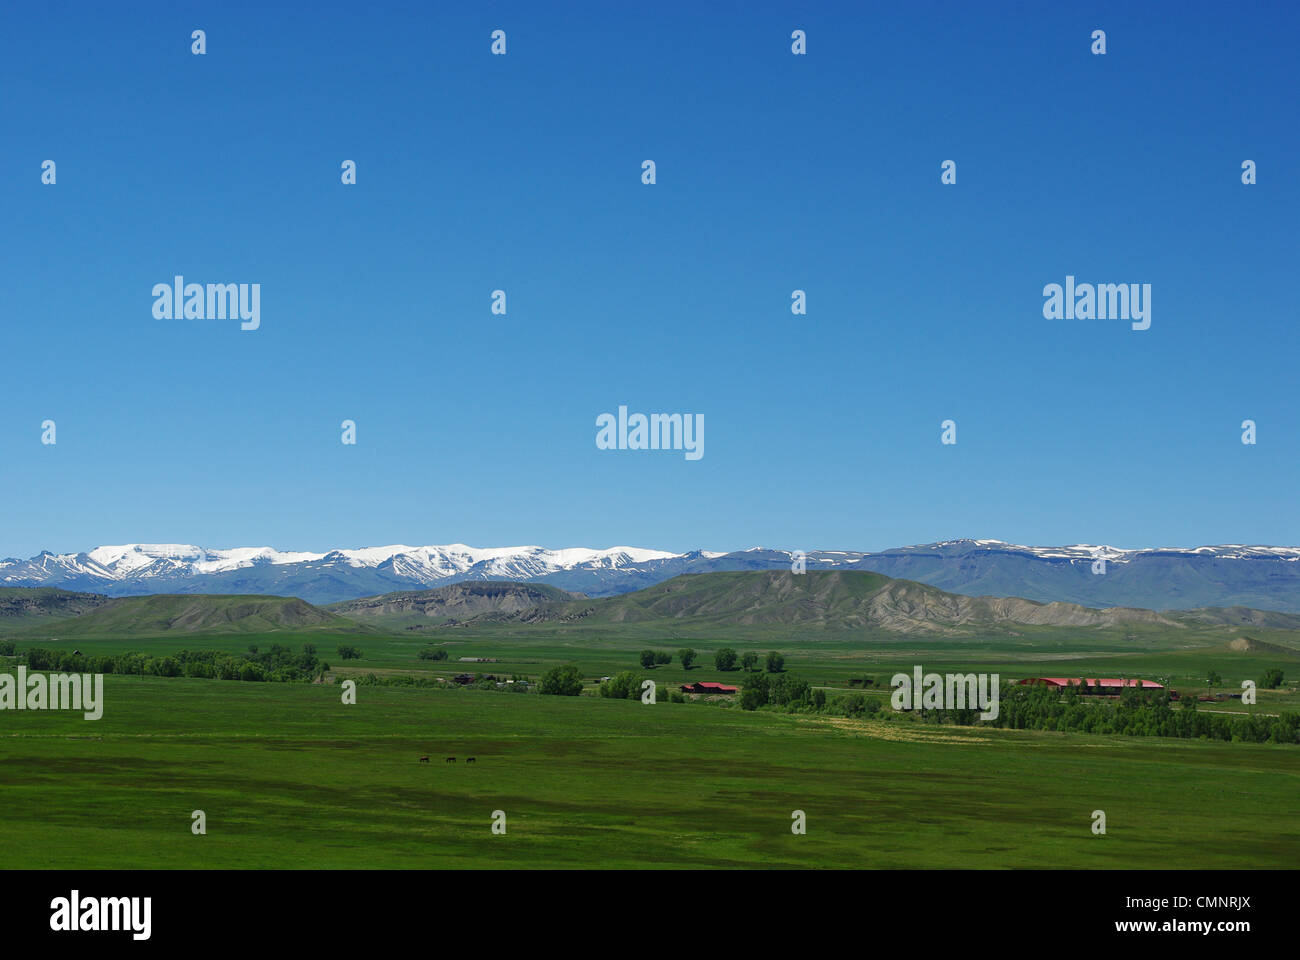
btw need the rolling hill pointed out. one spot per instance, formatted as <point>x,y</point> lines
<point>21,607</point>
<point>846,600</point>
<point>468,600</point>
<point>169,613</point>
<point>817,600</point>
<point>1242,617</point>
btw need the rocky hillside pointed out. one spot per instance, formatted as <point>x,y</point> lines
<point>458,602</point>
<point>169,613</point>
<point>847,600</point>
<point>22,607</point>
<point>836,600</point>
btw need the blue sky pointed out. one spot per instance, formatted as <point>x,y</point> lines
<point>522,172</point>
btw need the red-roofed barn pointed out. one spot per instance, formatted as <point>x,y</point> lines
<point>1108,685</point>
<point>707,687</point>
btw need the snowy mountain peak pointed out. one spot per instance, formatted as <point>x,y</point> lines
<point>1266,577</point>
<point>123,561</point>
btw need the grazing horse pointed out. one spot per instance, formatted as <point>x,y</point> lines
<point>424,759</point>
<point>450,760</point>
<point>470,760</point>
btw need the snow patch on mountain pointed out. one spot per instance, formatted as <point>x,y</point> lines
<point>1264,577</point>
<point>125,561</point>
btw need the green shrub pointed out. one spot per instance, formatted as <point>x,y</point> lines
<point>562,681</point>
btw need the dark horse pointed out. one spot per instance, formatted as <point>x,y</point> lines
<point>424,759</point>
<point>470,760</point>
<point>450,760</point>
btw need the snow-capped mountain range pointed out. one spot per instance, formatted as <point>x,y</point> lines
<point>1263,577</point>
<point>1169,578</point>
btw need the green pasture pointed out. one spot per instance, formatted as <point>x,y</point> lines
<point>289,776</point>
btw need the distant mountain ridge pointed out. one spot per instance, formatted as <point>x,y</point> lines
<point>162,614</point>
<point>835,599</point>
<point>455,603</point>
<point>723,604</point>
<point>832,600</point>
<point>1232,575</point>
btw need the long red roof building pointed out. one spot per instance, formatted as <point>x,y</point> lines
<point>1105,684</point>
<point>706,686</point>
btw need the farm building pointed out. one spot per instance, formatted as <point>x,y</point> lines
<point>707,687</point>
<point>1112,685</point>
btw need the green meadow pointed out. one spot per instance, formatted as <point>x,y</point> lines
<point>1181,659</point>
<point>828,655</point>
<point>288,776</point>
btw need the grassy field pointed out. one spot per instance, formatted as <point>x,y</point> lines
<point>1181,659</point>
<point>290,777</point>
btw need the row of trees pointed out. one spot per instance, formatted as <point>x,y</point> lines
<point>627,686</point>
<point>480,682</point>
<point>658,658</point>
<point>278,664</point>
<point>562,681</point>
<point>726,659</point>
<point>1271,680</point>
<point>1136,713</point>
<point>761,689</point>
<point>791,694</point>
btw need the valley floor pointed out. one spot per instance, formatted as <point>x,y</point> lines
<point>289,777</point>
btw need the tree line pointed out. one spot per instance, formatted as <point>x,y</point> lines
<point>1139,713</point>
<point>278,664</point>
<point>724,659</point>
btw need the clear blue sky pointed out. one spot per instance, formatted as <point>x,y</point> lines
<point>522,172</point>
